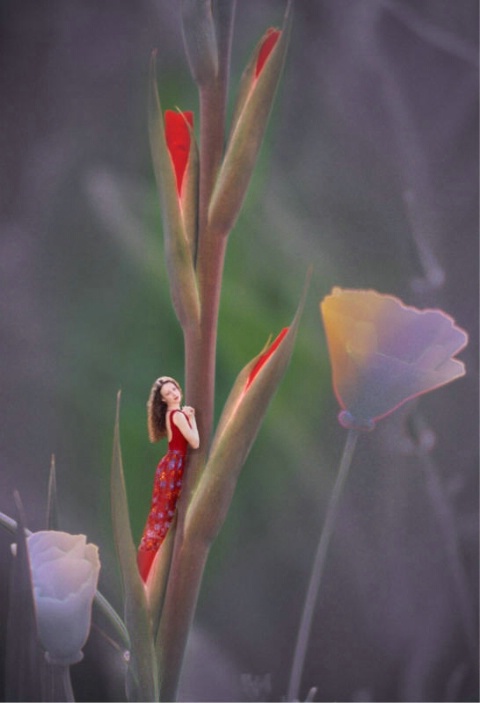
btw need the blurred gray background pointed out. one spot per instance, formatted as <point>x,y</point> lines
<point>369,171</point>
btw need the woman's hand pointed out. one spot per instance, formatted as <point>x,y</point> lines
<point>189,412</point>
<point>186,423</point>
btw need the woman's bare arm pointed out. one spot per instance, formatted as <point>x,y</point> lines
<point>188,427</point>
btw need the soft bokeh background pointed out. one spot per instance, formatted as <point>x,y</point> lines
<point>369,172</point>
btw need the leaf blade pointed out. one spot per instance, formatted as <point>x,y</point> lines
<point>141,680</point>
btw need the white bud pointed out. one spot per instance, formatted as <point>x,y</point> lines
<point>65,574</point>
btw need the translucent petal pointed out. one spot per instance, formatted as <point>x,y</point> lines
<point>384,353</point>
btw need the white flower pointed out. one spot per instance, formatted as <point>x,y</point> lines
<point>65,574</point>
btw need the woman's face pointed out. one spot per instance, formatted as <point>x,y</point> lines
<point>171,393</point>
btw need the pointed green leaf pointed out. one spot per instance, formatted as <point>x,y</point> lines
<point>254,105</point>
<point>237,429</point>
<point>200,40</point>
<point>178,251</point>
<point>142,671</point>
<point>52,509</point>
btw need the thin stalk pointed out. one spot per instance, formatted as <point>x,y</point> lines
<point>114,619</point>
<point>59,683</point>
<point>318,568</point>
<point>201,344</point>
<point>213,110</point>
<point>202,348</point>
<point>201,351</point>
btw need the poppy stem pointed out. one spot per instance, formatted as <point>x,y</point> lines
<point>318,569</point>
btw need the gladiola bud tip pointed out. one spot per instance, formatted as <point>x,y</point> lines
<point>265,357</point>
<point>271,37</point>
<point>177,136</point>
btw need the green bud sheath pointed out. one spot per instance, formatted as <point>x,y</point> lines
<point>256,95</point>
<point>238,426</point>
<point>178,249</point>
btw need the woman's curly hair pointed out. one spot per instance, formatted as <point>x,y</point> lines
<point>157,409</point>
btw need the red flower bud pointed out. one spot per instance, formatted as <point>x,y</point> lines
<point>177,135</point>
<point>271,37</point>
<point>265,357</point>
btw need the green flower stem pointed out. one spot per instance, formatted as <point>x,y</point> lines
<point>213,106</point>
<point>113,618</point>
<point>212,134</point>
<point>318,568</point>
<point>200,344</point>
<point>201,347</point>
<point>59,684</point>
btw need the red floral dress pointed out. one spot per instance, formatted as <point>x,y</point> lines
<point>166,491</point>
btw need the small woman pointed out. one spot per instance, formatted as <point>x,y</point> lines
<point>166,418</point>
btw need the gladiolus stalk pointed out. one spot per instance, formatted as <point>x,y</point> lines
<point>200,353</point>
<point>201,349</point>
<point>191,547</point>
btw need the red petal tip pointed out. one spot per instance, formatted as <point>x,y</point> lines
<point>266,356</point>
<point>271,37</point>
<point>177,136</point>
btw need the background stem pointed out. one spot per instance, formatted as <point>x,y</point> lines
<point>318,568</point>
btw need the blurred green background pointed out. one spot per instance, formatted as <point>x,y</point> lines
<point>369,172</point>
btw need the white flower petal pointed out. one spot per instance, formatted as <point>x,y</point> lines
<point>65,574</point>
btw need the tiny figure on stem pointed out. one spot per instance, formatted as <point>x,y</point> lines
<point>166,418</point>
